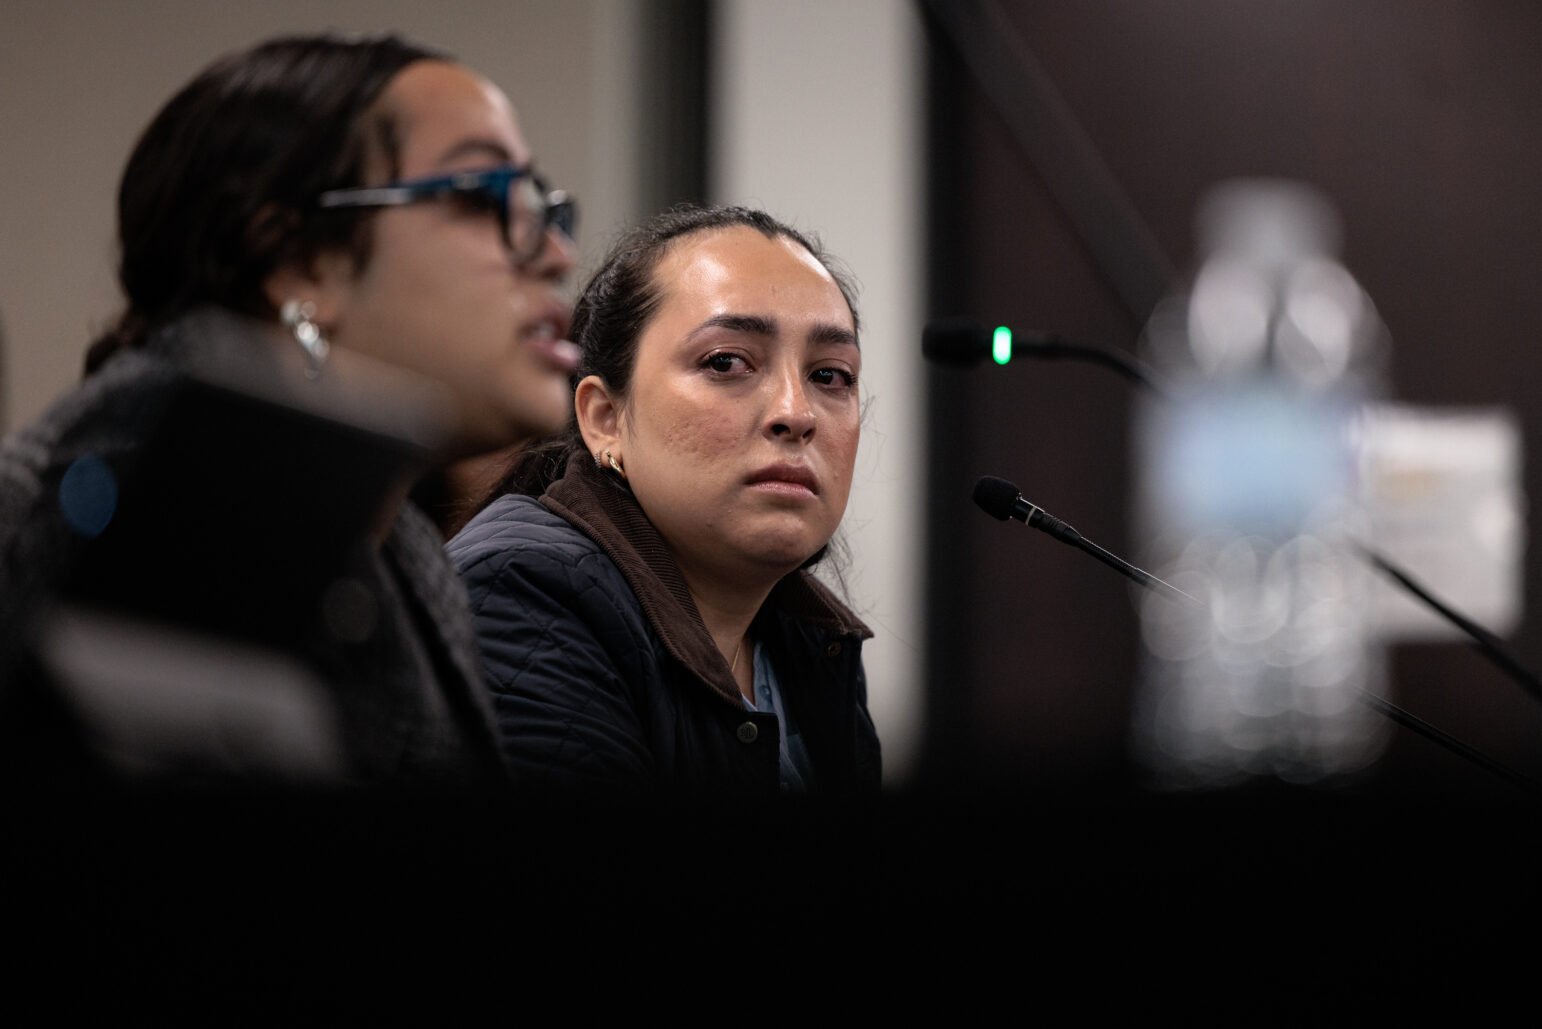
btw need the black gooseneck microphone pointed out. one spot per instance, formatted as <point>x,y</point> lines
<point>1002,500</point>
<point>959,341</point>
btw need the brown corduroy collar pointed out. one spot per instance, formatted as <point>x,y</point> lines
<point>601,506</point>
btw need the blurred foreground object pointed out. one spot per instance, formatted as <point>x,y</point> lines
<point>208,576</point>
<point>154,703</point>
<point>1442,494</point>
<point>1248,493</point>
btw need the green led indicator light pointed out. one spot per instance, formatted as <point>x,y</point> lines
<point>1001,345</point>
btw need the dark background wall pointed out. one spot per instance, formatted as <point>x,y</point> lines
<point>1418,119</point>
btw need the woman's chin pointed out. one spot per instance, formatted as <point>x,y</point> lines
<point>781,556</point>
<point>536,415</point>
<point>548,408</point>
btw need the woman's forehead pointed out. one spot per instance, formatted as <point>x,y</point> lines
<point>741,264</point>
<point>447,114</point>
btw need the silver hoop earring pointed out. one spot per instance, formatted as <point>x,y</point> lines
<point>296,316</point>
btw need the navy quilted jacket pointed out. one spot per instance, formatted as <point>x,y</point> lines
<point>604,676</point>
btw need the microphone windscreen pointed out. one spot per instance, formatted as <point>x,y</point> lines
<point>955,341</point>
<point>996,497</point>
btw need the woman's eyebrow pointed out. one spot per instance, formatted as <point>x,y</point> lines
<point>754,324</point>
<point>477,147</point>
<point>825,333</point>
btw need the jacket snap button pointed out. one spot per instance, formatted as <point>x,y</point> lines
<point>748,732</point>
<point>833,650</point>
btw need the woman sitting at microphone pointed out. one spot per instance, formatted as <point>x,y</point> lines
<point>641,595</point>
<point>326,213</point>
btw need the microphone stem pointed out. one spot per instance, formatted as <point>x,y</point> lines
<point>1412,722</point>
<point>1124,567</point>
<point>1053,348</point>
<point>1489,644</point>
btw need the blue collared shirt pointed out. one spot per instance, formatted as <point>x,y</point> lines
<point>797,772</point>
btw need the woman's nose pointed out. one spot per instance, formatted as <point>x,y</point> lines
<point>791,415</point>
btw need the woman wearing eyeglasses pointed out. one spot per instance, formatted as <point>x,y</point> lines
<point>641,596</point>
<point>325,205</point>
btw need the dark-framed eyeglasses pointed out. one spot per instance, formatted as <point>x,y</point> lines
<point>526,208</point>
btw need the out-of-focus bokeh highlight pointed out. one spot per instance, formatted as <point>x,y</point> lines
<point>1261,479</point>
<point>1248,497</point>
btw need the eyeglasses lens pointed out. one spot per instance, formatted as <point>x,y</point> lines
<point>534,210</point>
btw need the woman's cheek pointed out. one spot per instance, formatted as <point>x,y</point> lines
<point>846,436</point>
<point>706,434</point>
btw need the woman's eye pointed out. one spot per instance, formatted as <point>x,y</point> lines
<point>723,362</point>
<point>837,377</point>
<point>478,200</point>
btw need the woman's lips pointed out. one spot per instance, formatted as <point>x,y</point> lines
<point>545,340</point>
<point>788,480</point>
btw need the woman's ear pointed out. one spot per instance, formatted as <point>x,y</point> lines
<point>599,417</point>
<point>324,281</point>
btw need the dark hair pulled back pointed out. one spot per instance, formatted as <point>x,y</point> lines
<point>620,300</point>
<point>221,189</point>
